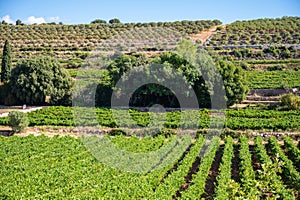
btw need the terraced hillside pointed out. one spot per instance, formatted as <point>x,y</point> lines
<point>72,43</point>
<point>260,39</point>
<point>259,32</point>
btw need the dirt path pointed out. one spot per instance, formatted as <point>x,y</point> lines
<point>213,173</point>
<point>53,131</point>
<point>204,35</point>
<point>26,110</point>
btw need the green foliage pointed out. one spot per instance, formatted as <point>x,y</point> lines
<point>275,68</point>
<point>293,151</point>
<point>98,21</point>
<point>262,120</point>
<point>6,63</point>
<point>258,52</point>
<point>177,178</point>
<point>235,119</point>
<point>6,98</point>
<point>273,79</point>
<point>18,121</point>
<point>195,65</point>
<point>224,176</point>
<point>141,145</point>
<point>19,22</point>
<point>4,22</point>
<point>249,183</point>
<point>116,69</point>
<point>35,78</point>
<point>281,52</point>
<point>114,21</point>
<point>197,186</point>
<point>273,61</point>
<point>219,28</point>
<point>187,50</point>
<point>47,167</point>
<point>72,166</point>
<point>270,181</point>
<point>290,101</point>
<point>234,79</point>
<point>53,40</point>
<point>289,170</point>
<point>260,31</point>
<point>201,72</point>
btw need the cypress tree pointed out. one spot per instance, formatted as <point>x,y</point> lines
<point>6,63</point>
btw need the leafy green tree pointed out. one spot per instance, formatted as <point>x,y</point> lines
<point>4,22</point>
<point>114,21</point>
<point>290,101</point>
<point>203,74</point>
<point>196,66</point>
<point>219,28</point>
<point>6,63</point>
<point>115,70</point>
<point>34,79</point>
<point>98,21</point>
<point>19,22</point>
<point>234,81</point>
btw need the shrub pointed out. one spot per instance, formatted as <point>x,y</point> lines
<point>275,68</point>
<point>18,121</point>
<point>291,101</point>
<point>219,28</point>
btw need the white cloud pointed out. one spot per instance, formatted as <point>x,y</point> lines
<point>34,20</point>
<point>53,19</point>
<point>7,19</point>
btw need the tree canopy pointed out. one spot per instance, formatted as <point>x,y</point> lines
<point>98,21</point>
<point>234,80</point>
<point>196,66</point>
<point>34,79</point>
<point>114,21</point>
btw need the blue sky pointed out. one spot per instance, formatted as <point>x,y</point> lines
<point>84,11</point>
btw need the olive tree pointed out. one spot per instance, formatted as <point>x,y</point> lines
<point>98,21</point>
<point>114,21</point>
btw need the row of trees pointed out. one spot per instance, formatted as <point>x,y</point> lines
<point>34,80</point>
<point>101,21</point>
<point>272,52</point>
<point>96,21</point>
<point>53,39</point>
<point>283,30</point>
<point>20,23</point>
<point>205,75</point>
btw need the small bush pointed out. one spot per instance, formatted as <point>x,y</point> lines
<point>275,68</point>
<point>18,121</point>
<point>290,101</point>
<point>219,28</point>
